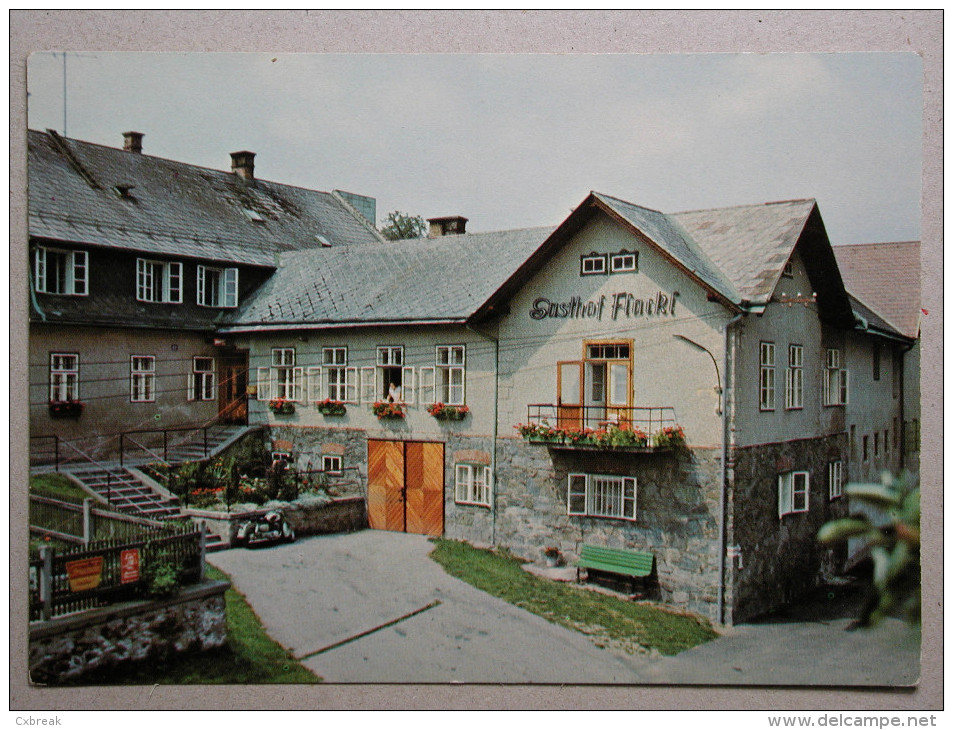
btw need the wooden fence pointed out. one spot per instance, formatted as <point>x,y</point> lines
<point>83,523</point>
<point>106,571</point>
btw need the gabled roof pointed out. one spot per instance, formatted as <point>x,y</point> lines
<point>174,208</point>
<point>439,280</point>
<point>886,277</point>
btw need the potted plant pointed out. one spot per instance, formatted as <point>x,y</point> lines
<point>387,410</point>
<point>443,412</point>
<point>330,407</point>
<point>552,556</point>
<point>281,406</point>
<point>65,409</point>
<point>670,436</point>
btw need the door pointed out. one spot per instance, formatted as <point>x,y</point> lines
<point>233,389</point>
<point>405,486</point>
<point>569,394</point>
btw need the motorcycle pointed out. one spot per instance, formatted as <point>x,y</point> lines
<point>271,527</point>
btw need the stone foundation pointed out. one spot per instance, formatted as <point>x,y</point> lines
<point>71,647</point>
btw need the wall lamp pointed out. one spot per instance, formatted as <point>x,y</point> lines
<point>718,410</point>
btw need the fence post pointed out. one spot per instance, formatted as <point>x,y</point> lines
<point>46,582</point>
<point>202,530</point>
<point>56,450</point>
<point>109,488</point>
<point>165,445</point>
<point>205,440</point>
<point>88,528</point>
<point>121,448</point>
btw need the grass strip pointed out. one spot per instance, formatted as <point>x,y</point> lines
<point>607,620</point>
<point>56,486</point>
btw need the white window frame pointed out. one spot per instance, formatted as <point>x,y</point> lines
<point>766,376</point>
<point>202,380</point>
<point>450,375</point>
<point>159,282</point>
<point>222,296</point>
<point>332,463</point>
<point>835,379</point>
<point>335,373</point>
<point>64,377</point>
<point>314,383</point>
<point>624,261</point>
<point>142,378</point>
<point>389,357</point>
<point>794,380</point>
<point>794,498</point>
<point>75,276</point>
<point>588,496</point>
<point>473,484</point>
<point>594,264</point>
<point>835,479</point>
<point>286,377</point>
<point>263,382</point>
<point>370,390</point>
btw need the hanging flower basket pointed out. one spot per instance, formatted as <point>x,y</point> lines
<point>65,409</point>
<point>281,406</point>
<point>330,407</point>
<point>386,410</point>
<point>540,433</point>
<point>444,412</point>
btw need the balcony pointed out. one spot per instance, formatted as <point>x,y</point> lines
<point>643,429</point>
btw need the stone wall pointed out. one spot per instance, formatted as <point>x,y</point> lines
<point>780,557</point>
<point>677,496</point>
<point>70,648</point>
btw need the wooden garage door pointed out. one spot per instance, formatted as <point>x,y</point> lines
<point>405,486</point>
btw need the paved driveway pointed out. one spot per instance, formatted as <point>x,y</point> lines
<point>371,607</point>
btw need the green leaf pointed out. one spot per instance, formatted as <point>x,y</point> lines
<point>840,530</point>
<point>874,494</point>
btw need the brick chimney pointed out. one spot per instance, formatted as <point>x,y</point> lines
<point>447,226</point>
<point>132,142</point>
<point>243,164</point>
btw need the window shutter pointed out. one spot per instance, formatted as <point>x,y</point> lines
<point>350,384</point>
<point>408,378</point>
<point>200,295</point>
<point>464,476</point>
<point>368,384</point>
<point>314,383</point>
<point>428,385</point>
<point>784,495</point>
<point>191,393</point>
<point>628,497</point>
<point>576,498</point>
<point>844,390</point>
<point>39,269</point>
<point>297,389</point>
<point>487,485</point>
<point>230,298</point>
<point>264,384</point>
<point>141,279</point>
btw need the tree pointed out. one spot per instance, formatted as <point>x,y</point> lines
<point>403,225</point>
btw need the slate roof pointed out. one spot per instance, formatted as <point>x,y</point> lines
<point>886,277</point>
<point>435,280</point>
<point>176,209</point>
<point>750,244</point>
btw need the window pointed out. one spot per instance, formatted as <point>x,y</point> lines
<point>875,356</point>
<point>594,263</point>
<point>286,377</point>
<point>64,377</point>
<point>794,386</point>
<point>389,378</point>
<point>792,492</point>
<point>600,495</point>
<point>60,272</point>
<point>624,261</point>
<point>835,479</point>
<point>202,379</point>
<point>788,271</point>
<point>335,370</point>
<point>331,464</point>
<point>217,287</point>
<point>766,377</point>
<point>876,444</point>
<point>866,443</point>
<point>473,484</point>
<point>142,386</point>
<point>835,380</point>
<point>158,281</point>
<point>886,442</point>
<point>451,361</point>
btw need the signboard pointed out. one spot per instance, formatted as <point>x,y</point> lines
<point>620,305</point>
<point>84,575</point>
<point>129,566</point>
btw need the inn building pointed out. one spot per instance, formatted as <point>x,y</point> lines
<point>693,385</point>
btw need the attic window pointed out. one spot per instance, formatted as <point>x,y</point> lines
<point>124,191</point>
<point>322,240</point>
<point>253,215</point>
<point>624,261</point>
<point>593,263</point>
<point>788,272</point>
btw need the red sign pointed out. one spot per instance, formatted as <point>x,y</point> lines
<point>84,575</point>
<point>129,566</point>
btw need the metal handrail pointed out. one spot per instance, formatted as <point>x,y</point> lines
<point>110,475</point>
<point>56,447</point>
<point>145,448</point>
<point>652,418</point>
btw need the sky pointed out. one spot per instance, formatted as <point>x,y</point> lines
<point>514,141</point>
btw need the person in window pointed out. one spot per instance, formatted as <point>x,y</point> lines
<point>393,393</point>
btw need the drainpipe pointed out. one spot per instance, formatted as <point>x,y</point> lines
<point>496,426</point>
<point>727,434</point>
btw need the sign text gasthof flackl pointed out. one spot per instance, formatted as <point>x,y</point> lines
<point>621,305</point>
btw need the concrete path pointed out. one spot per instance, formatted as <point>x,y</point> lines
<point>372,607</point>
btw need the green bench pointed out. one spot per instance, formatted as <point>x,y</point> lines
<point>633,564</point>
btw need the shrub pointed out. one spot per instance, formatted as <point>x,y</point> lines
<point>162,577</point>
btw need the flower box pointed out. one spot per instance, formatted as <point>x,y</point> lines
<point>443,412</point>
<point>65,409</point>
<point>281,406</point>
<point>386,410</point>
<point>670,436</point>
<point>331,407</point>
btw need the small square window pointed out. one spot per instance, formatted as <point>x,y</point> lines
<point>624,261</point>
<point>331,464</point>
<point>594,263</point>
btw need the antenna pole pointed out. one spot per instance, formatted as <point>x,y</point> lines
<point>64,94</point>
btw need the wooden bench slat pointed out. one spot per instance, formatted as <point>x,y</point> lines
<point>633,563</point>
